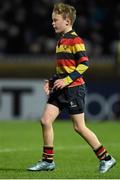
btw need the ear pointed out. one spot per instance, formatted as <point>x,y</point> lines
<point>67,21</point>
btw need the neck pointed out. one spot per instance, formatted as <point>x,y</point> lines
<point>67,30</point>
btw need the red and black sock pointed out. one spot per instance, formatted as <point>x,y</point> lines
<point>102,153</point>
<point>48,154</point>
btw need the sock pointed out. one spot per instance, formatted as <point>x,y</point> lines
<point>48,154</point>
<point>102,154</point>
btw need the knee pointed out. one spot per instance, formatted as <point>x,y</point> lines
<point>76,129</point>
<point>45,122</point>
<point>79,129</point>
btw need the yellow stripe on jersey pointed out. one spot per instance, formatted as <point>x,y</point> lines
<point>70,49</point>
<point>78,48</point>
<point>68,80</point>
<point>74,33</point>
<point>81,68</point>
<point>64,48</point>
<point>63,69</point>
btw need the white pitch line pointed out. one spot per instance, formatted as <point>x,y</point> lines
<point>5,150</point>
<point>12,150</point>
<point>81,146</point>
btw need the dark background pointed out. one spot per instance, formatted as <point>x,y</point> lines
<point>25,26</point>
<point>27,42</point>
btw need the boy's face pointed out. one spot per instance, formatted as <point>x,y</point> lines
<point>59,24</point>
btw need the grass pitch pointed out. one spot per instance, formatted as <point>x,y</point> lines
<point>21,146</point>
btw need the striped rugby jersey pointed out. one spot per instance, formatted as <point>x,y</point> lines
<point>72,60</point>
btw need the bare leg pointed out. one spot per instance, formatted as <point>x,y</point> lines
<point>49,115</point>
<point>87,134</point>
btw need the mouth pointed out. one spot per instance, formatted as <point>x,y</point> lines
<point>56,29</point>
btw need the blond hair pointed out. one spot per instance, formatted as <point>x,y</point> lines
<point>66,10</point>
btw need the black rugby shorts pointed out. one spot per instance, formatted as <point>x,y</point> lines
<point>71,98</point>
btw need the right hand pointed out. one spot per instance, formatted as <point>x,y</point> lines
<point>46,87</point>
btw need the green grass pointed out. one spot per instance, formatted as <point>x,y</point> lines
<point>21,146</point>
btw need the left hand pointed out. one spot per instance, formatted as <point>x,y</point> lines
<point>59,84</point>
